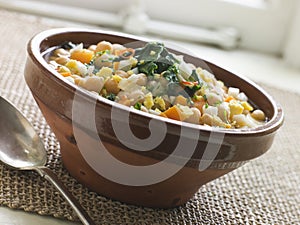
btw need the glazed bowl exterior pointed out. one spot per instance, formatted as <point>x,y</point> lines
<point>205,153</point>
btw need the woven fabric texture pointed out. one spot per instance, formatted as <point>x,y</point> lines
<point>264,191</point>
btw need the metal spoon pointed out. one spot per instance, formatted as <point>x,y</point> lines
<point>21,148</point>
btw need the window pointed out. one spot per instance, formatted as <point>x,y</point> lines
<point>250,3</point>
<point>262,28</point>
<point>263,25</point>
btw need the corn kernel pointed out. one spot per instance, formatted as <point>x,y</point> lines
<point>116,78</point>
<point>160,102</point>
<point>130,72</point>
<point>247,106</point>
<point>148,102</point>
<point>104,72</point>
<point>235,108</point>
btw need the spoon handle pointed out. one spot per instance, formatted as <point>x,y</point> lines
<point>81,213</point>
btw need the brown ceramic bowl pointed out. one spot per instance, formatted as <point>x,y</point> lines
<point>99,153</point>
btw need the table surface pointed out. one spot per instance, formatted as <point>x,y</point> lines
<point>270,70</point>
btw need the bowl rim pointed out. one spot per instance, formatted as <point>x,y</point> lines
<point>34,52</point>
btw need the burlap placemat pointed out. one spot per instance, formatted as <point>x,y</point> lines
<point>265,191</point>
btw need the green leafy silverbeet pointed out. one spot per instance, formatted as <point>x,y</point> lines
<point>194,77</point>
<point>148,68</point>
<point>171,73</point>
<point>154,53</point>
<point>150,52</point>
<point>111,97</point>
<point>68,45</point>
<point>190,91</point>
<point>138,106</point>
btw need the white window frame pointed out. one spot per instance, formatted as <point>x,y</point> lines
<point>262,28</point>
<point>263,25</point>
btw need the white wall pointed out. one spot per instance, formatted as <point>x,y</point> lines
<point>291,51</point>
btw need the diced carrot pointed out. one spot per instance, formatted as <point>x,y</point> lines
<point>82,55</point>
<point>190,83</point>
<point>172,113</point>
<point>199,104</point>
<point>229,98</point>
<point>163,115</point>
<point>116,65</point>
<point>66,74</point>
<point>180,100</point>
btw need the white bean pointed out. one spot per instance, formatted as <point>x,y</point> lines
<point>92,83</point>
<point>224,111</point>
<point>213,98</point>
<point>242,97</point>
<point>211,110</point>
<point>234,92</point>
<point>240,120</point>
<point>195,117</point>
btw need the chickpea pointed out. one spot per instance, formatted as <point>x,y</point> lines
<point>142,79</point>
<point>124,100</point>
<point>111,86</point>
<point>117,47</point>
<point>206,119</point>
<point>103,46</point>
<point>77,79</point>
<point>63,69</point>
<point>246,112</point>
<point>92,48</point>
<point>61,52</point>
<point>258,115</point>
<point>122,73</point>
<point>62,60</point>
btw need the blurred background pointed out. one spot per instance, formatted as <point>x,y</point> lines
<point>268,26</point>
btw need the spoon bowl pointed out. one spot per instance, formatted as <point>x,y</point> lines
<point>21,148</point>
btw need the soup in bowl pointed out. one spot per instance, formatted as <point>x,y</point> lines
<point>143,123</point>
